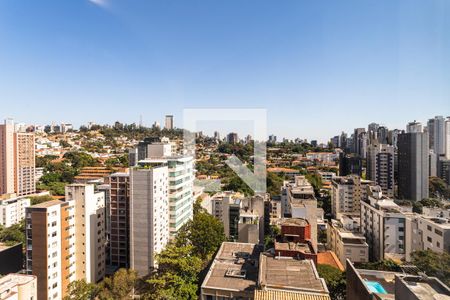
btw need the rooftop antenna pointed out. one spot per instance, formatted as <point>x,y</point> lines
<point>140,121</point>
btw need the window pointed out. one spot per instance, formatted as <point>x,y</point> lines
<point>429,227</point>
<point>438,232</point>
<point>429,239</point>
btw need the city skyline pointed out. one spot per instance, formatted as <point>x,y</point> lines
<point>302,62</point>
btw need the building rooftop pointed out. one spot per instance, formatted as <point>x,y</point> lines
<point>284,273</point>
<point>292,222</point>
<point>425,288</point>
<point>235,267</point>
<point>288,295</point>
<point>329,258</point>
<point>47,204</point>
<point>292,246</point>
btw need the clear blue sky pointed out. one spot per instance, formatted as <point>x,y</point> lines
<point>319,67</point>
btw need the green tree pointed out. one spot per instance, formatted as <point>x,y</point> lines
<point>382,265</point>
<point>177,275</point>
<point>14,234</point>
<point>274,183</point>
<point>204,232</point>
<point>80,160</point>
<point>335,280</point>
<point>40,199</point>
<point>81,290</point>
<point>119,286</point>
<point>433,264</point>
<point>171,286</point>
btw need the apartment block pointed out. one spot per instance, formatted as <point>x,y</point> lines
<point>118,209</point>
<point>17,161</point>
<point>149,215</point>
<point>50,249</point>
<point>180,181</point>
<point>24,163</point>
<point>380,167</point>
<point>18,287</point>
<point>66,240</point>
<point>12,211</point>
<point>346,244</point>
<point>90,228</point>
<point>242,217</point>
<point>413,166</point>
<point>434,233</point>
<point>300,202</point>
<point>347,193</point>
<point>388,229</point>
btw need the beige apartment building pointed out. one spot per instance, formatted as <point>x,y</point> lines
<point>434,233</point>
<point>346,244</point>
<point>346,194</point>
<point>17,161</point>
<point>65,240</point>
<point>18,287</point>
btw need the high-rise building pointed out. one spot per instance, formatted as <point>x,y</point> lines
<point>168,122</point>
<point>24,164</point>
<point>382,134</point>
<point>149,215</point>
<point>444,170</point>
<point>437,134</point>
<point>360,139</point>
<point>430,129</point>
<point>51,248</point>
<point>432,164</point>
<point>216,135</point>
<point>347,193</point>
<point>415,126</point>
<point>447,138</point>
<point>118,210</point>
<point>393,137</point>
<point>272,139</point>
<point>413,168</point>
<point>232,138</point>
<point>89,206</point>
<point>349,164</point>
<point>380,166</point>
<point>372,129</point>
<point>65,240</point>
<point>387,229</point>
<point>17,161</point>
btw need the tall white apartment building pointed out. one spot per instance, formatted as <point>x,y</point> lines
<point>12,211</point>
<point>149,215</point>
<point>346,194</point>
<point>90,228</point>
<point>181,181</point>
<point>380,166</point>
<point>66,240</point>
<point>388,229</point>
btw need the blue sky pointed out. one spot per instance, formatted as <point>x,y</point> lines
<point>318,67</point>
